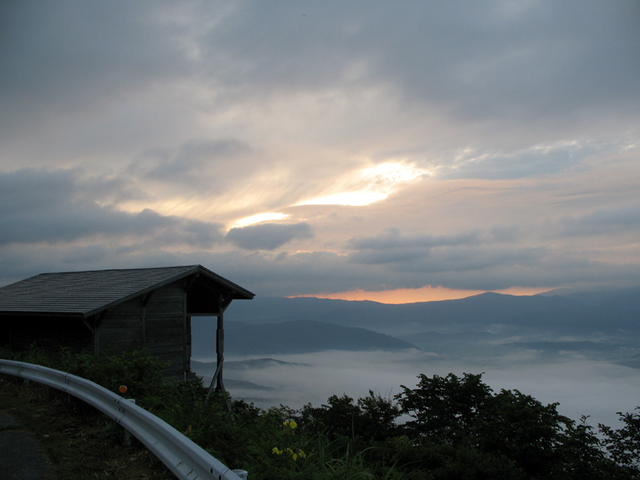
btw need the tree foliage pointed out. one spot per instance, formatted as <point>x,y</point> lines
<point>624,444</point>
<point>455,418</point>
<point>372,417</point>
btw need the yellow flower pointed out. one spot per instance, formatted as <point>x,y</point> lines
<point>290,424</point>
<point>276,451</point>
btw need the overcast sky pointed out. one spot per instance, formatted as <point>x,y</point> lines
<point>317,148</point>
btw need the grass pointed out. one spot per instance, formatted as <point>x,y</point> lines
<point>80,442</point>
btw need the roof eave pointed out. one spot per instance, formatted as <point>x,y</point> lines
<point>23,313</point>
<point>239,293</point>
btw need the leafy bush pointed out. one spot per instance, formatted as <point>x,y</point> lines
<point>624,444</point>
<point>462,416</point>
<point>371,418</point>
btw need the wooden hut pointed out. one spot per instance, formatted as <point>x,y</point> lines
<point>115,311</point>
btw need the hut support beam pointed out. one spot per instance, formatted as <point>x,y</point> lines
<point>217,380</point>
<point>95,330</point>
<point>143,318</point>
<point>220,351</point>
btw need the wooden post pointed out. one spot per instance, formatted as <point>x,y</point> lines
<point>217,376</point>
<point>185,329</point>
<point>186,326</point>
<point>220,362</point>
<point>96,335</point>
<point>217,380</point>
<point>98,318</point>
<point>143,319</point>
<point>220,352</point>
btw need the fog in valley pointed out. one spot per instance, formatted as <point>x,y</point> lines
<point>582,386</point>
<point>579,350</point>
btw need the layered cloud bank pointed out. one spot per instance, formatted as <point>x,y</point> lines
<point>321,148</point>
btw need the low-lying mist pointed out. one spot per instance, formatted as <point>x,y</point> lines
<point>579,350</point>
<point>582,386</point>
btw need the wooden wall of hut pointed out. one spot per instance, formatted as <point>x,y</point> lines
<point>156,323</point>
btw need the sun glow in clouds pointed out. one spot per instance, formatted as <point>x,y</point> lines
<point>260,217</point>
<point>351,199</point>
<point>368,185</point>
<point>424,294</point>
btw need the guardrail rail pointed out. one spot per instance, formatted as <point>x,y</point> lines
<point>183,457</point>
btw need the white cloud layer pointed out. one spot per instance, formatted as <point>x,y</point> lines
<point>596,389</point>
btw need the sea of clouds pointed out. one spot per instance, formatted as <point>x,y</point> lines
<point>581,386</point>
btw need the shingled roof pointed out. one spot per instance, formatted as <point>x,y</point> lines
<point>87,293</point>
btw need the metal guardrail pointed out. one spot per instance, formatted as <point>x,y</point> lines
<point>184,458</point>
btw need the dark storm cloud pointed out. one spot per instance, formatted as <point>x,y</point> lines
<point>467,259</point>
<point>515,60</point>
<point>392,238</point>
<point>536,63</point>
<point>28,189</point>
<point>75,221</point>
<point>603,222</point>
<point>268,236</point>
<point>73,54</point>
<point>59,206</point>
<point>188,163</point>
<point>477,60</point>
<point>390,256</point>
<point>466,267</point>
<point>391,247</point>
<point>502,233</point>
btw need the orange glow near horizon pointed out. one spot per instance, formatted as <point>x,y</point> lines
<point>424,294</point>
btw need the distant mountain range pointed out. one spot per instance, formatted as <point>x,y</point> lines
<point>297,336</point>
<point>604,311</point>
<point>598,323</point>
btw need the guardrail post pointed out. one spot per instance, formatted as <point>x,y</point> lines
<point>127,433</point>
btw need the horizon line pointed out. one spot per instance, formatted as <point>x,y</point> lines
<point>420,295</point>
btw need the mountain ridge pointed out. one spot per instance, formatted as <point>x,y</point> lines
<point>292,337</point>
<point>587,312</point>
